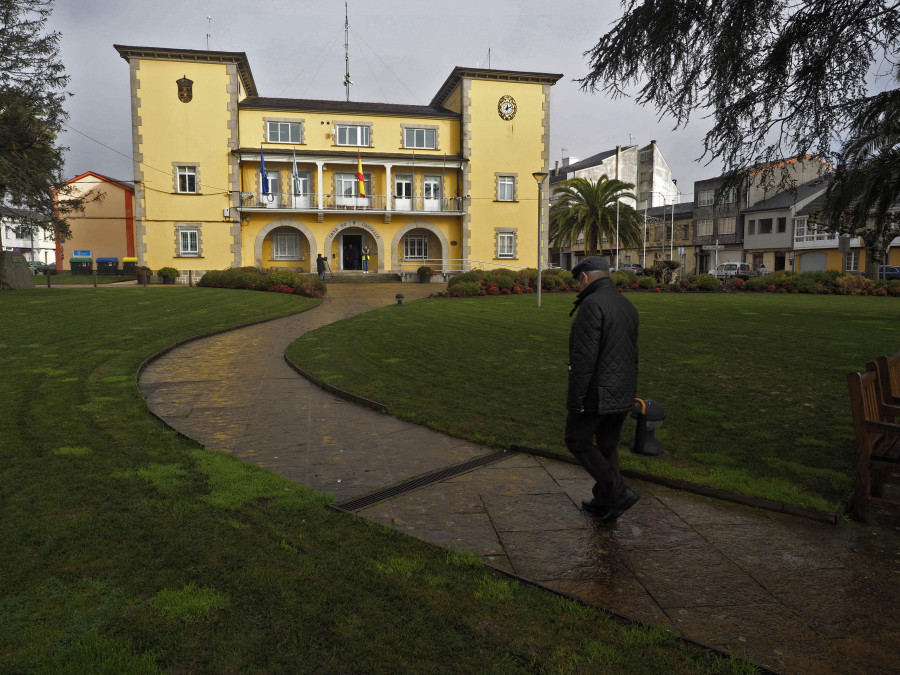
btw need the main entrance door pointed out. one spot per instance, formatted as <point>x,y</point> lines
<point>351,252</point>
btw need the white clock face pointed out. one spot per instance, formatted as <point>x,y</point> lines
<point>507,107</point>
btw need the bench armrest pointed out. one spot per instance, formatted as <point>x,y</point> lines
<point>893,410</point>
<point>883,427</point>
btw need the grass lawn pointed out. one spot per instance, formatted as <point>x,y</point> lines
<point>129,549</point>
<point>70,279</point>
<point>753,386</point>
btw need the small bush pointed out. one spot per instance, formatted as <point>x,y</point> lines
<point>466,289</point>
<point>282,278</point>
<point>254,279</point>
<point>623,277</point>
<point>168,273</point>
<point>852,284</point>
<point>756,284</point>
<point>647,282</point>
<point>465,277</point>
<point>707,282</point>
<point>892,287</point>
<point>552,282</point>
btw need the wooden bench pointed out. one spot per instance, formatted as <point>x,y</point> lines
<point>888,369</point>
<point>877,444</point>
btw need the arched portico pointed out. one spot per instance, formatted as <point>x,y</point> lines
<point>336,231</point>
<point>420,225</point>
<point>275,224</point>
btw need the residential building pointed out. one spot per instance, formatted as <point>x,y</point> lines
<point>644,167</point>
<point>20,232</point>
<point>770,227</point>
<point>225,177</point>
<point>669,235</point>
<point>104,228</point>
<point>816,249</point>
<point>719,204</point>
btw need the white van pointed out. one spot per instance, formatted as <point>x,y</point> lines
<point>732,269</point>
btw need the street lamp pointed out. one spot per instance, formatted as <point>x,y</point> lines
<point>539,176</point>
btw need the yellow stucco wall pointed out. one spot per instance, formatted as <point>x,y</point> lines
<point>194,133</point>
<point>514,147</point>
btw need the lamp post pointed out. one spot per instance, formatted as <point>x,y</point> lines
<point>539,177</point>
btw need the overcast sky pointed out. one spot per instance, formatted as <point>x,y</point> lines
<point>400,52</point>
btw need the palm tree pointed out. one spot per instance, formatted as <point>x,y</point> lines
<point>862,196</point>
<point>588,209</point>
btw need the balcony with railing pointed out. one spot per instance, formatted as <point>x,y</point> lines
<point>287,201</point>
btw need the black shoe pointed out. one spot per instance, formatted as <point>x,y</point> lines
<point>609,512</point>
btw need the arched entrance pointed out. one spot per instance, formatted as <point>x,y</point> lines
<point>286,244</point>
<point>344,244</point>
<point>419,243</point>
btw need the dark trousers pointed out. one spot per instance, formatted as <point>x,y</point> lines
<point>601,460</point>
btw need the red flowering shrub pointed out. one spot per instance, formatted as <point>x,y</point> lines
<point>281,288</point>
<point>492,289</point>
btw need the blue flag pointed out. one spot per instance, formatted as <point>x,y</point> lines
<point>262,172</point>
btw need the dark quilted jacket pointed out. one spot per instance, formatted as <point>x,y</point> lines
<point>603,351</point>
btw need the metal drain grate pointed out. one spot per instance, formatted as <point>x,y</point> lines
<point>383,494</point>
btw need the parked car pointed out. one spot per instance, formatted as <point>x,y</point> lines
<point>889,272</point>
<point>632,267</point>
<point>37,267</point>
<point>732,269</point>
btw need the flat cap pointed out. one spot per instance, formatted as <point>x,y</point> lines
<point>590,264</point>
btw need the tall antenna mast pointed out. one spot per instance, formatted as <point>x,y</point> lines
<point>347,81</point>
<point>208,30</point>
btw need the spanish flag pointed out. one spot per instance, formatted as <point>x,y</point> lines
<point>359,175</point>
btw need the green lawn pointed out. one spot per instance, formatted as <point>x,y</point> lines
<point>77,279</point>
<point>129,549</point>
<point>753,386</point>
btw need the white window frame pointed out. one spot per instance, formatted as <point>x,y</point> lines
<point>506,188</point>
<point>343,180</point>
<point>280,127</point>
<point>420,138</point>
<point>360,136</point>
<point>727,225</point>
<point>506,244</point>
<point>851,261</point>
<point>706,197</point>
<point>189,241</point>
<point>704,228</point>
<point>286,246</point>
<point>415,247</point>
<point>186,178</point>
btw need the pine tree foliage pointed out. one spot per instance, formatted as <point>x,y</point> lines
<point>583,208</point>
<point>777,78</point>
<point>32,94</point>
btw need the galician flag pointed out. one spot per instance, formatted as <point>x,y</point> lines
<point>296,176</point>
<point>262,172</point>
<point>360,179</point>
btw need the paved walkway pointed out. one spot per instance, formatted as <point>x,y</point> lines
<point>789,594</point>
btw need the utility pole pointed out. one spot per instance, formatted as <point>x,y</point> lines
<point>347,81</point>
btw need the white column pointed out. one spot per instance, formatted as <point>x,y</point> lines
<point>387,186</point>
<point>320,198</point>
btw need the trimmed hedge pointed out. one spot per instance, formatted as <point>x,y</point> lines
<point>257,279</point>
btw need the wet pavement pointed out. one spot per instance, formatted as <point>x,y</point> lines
<point>787,593</point>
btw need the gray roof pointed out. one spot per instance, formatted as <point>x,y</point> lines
<point>265,103</point>
<point>786,199</point>
<point>593,160</point>
<point>20,214</point>
<point>681,209</point>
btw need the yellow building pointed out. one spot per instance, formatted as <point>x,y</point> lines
<point>227,178</point>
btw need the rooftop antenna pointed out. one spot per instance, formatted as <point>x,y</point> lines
<point>208,30</point>
<point>630,139</point>
<point>347,81</point>
<point>489,58</point>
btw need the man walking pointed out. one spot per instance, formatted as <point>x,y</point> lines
<point>602,382</point>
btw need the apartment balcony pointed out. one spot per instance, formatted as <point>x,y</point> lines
<point>383,205</point>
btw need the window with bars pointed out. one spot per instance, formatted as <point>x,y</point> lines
<point>415,247</point>
<point>286,246</point>
<point>506,244</point>
<point>189,241</point>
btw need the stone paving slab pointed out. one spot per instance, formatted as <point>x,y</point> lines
<point>789,594</point>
